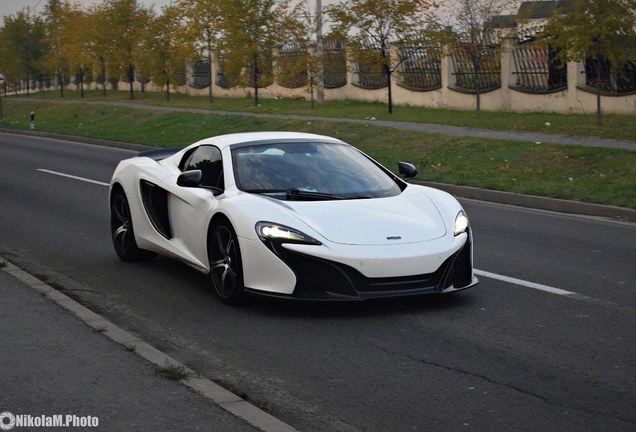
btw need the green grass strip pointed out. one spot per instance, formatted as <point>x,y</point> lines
<point>596,175</point>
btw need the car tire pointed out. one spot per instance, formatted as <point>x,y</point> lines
<point>121,228</point>
<point>226,266</point>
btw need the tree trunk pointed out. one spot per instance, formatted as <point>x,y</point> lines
<point>256,80</point>
<point>478,86</point>
<point>60,78</point>
<point>210,98</point>
<point>131,78</point>
<point>387,71</point>
<point>599,119</point>
<point>81,77</point>
<point>102,64</point>
<point>311,91</point>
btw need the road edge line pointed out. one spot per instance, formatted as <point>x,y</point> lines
<point>207,388</point>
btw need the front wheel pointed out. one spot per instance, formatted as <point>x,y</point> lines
<point>121,228</point>
<point>226,267</point>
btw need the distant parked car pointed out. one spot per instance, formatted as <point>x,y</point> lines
<point>291,215</point>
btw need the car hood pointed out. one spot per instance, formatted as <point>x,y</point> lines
<point>407,218</point>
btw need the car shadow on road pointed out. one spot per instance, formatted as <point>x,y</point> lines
<point>428,304</point>
<point>290,308</point>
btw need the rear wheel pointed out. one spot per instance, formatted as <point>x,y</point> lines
<point>121,228</point>
<point>226,267</point>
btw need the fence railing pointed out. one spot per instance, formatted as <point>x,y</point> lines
<point>419,69</point>
<point>476,68</point>
<point>334,63</point>
<point>538,69</point>
<point>368,72</point>
<point>291,65</point>
<point>200,74</point>
<point>529,68</point>
<point>611,80</point>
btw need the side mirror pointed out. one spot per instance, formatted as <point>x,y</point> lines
<point>190,179</point>
<point>407,170</point>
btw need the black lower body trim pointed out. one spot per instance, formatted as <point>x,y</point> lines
<point>321,279</point>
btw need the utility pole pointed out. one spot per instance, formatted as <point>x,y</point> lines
<point>320,82</point>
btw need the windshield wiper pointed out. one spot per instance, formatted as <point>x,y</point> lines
<point>296,194</point>
<point>266,191</point>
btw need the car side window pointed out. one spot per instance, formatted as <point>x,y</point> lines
<point>208,159</point>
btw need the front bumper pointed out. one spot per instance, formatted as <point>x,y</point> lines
<point>322,279</point>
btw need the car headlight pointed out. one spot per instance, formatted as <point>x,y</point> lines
<point>461,223</point>
<point>283,234</point>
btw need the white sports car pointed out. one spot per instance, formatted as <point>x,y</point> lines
<point>291,215</point>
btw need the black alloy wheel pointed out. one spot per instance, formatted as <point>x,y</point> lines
<point>121,228</point>
<point>226,267</point>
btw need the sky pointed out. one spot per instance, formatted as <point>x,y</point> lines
<point>9,7</point>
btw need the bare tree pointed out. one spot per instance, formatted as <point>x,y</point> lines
<point>603,31</point>
<point>472,35</point>
<point>251,29</point>
<point>122,24</point>
<point>201,29</point>
<point>162,56</point>
<point>370,27</point>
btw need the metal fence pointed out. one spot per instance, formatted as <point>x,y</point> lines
<point>291,65</point>
<point>367,69</point>
<point>611,80</point>
<point>476,67</point>
<point>334,64</point>
<point>420,69</point>
<point>200,74</point>
<point>538,69</point>
<point>264,72</point>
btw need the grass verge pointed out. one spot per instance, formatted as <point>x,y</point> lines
<point>604,176</point>
<point>614,126</point>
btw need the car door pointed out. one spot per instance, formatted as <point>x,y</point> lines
<point>191,209</point>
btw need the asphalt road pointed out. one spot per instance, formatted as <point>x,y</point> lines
<point>553,351</point>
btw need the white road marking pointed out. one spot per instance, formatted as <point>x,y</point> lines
<point>548,289</point>
<point>74,177</point>
<point>521,282</point>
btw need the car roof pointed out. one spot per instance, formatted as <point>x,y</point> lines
<point>223,141</point>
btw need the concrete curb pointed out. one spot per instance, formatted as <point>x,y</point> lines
<point>500,197</point>
<point>78,139</point>
<point>537,202</point>
<point>202,385</point>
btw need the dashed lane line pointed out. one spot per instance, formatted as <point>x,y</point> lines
<point>550,289</point>
<point>73,177</point>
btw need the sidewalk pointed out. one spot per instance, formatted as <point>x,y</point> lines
<point>52,363</point>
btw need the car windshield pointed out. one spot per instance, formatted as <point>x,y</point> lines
<point>310,171</point>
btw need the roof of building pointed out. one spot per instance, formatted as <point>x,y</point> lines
<point>503,21</point>
<point>530,10</point>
